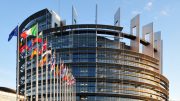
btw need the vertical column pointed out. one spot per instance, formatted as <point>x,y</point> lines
<point>147,35</point>
<point>117,18</point>
<point>42,66</point>
<point>47,59</point>
<point>158,46</point>
<point>74,16</point>
<point>54,77</point>
<point>17,68</point>
<point>60,84</point>
<point>134,30</point>
<point>50,85</point>
<point>25,71</point>
<point>37,69</point>
<point>31,79</point>
<point>57,78</point>
<point>96,15</point>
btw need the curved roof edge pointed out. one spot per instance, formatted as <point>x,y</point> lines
<point>8,90</point>
<point>33,16</point>
<point>99,27</point>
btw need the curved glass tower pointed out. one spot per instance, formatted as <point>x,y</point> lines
<point>106,68</point>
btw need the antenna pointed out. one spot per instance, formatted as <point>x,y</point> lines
<point>59,7</point>
<point>96,14</point>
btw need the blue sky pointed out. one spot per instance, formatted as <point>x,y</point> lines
<point>164,13</point>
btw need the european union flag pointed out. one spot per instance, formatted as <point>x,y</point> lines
<point>13,33</point>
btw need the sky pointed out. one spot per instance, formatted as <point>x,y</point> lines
<point>165,14</point>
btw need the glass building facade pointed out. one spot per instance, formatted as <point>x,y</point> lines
<point>105,67</point>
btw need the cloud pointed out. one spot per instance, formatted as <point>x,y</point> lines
<point>164,12</point>
<point>148,6</point>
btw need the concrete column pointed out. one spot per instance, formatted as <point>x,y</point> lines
<point>158,46</point>
<point>147,30</point>
<point>135,25</point>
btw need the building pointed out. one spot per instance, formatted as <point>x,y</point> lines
<point>106,68</point>
<point>27,80</point>
<point>7,94</point>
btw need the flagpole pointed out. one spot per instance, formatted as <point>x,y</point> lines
<point>25,70</point>
<point>31,77</point>
<point>51,76</point>
<point>65,90</point>
<point>37,59</point>
<point>46,71</point>
<point>54,74</point>
<point>72,90</point>
<point>66,86</point>
<point>17,68</point>
<point>69,89</point>
<point>57,78</point>
<point>42,65</point>
<point>50,85</point>
<point>63,93</point>
<point>71,86</point>
<point>63,85</point>
<point>46,63</point>
<point>60,90</point>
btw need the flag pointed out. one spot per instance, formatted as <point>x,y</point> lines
<point>37,40</point>
<point>71,80</point>
<point>68,77</point>
<point>44,46</point>
<point>32,31</point>
<point>13,33</point>
<point>47,52</point>
<point>23,48</point>
<point>53,63</point>
<point>42,61</point>
<point>29,44</point>
<point>65,78</point>
<point>40,52</point>
<point>61,68</point>
<point>63,72</point>
<point>34,52</point>
<point>20,44</point>
<point>57,70</point>
<point>25,34</point>
<point>22,55</point>
<point>40,35</point>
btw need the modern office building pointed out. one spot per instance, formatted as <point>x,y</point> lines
<point>105,66</point>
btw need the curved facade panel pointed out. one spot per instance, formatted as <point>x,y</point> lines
<point>105,67</point>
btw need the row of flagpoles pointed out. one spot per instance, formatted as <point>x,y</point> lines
<point>32,47</point>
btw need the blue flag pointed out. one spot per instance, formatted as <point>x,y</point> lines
<point>13,33</point>
<point>29,44</point>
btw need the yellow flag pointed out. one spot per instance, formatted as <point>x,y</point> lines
<point>57,70</point>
